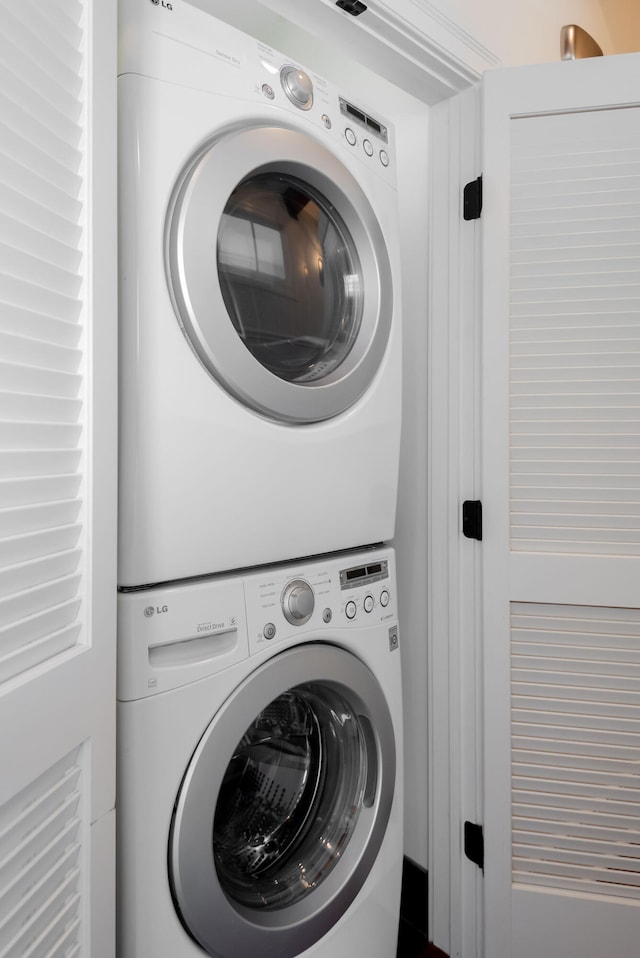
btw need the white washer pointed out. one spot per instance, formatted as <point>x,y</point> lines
<point>260,779</point>
<point>259,305</point>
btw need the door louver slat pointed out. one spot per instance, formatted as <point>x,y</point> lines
<point>45,569</point>
<point>20,605</point>
<point>26,408</point>
<point>39,382</point>
<point>33,352</point>
<point>28,491</point>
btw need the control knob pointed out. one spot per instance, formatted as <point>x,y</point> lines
<point>298,87</point>
<point>298,602</point>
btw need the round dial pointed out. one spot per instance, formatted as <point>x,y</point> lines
<point>298,602</point>
<point>298,87</point>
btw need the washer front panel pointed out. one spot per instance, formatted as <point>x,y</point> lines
<point>216,900</point>
<point>328,361</point>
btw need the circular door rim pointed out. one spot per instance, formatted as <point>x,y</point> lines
<point>191,234</point>
<point>225,928</point>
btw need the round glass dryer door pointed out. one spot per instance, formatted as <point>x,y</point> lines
<point>282,811</point>
<point>279,273</point>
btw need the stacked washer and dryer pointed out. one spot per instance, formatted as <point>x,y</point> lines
<point>260,711</point>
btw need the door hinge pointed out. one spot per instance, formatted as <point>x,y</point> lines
<point>472,519</point>
<point>472,200</point>
<point>354,7</point>
<point>474,843</point>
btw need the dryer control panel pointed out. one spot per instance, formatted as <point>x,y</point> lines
<point>345,121</point>
<point>183,43</point>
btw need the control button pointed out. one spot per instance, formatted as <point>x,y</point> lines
<point>327,121</point>
<point>368,603</point>
<point>298,87</point>
<point>269,630</point>
<point>298,602</point>
<point>350,136</point>
<point>350,609</point>
<point>384,157</point>
<point>393,638</point>
<point>368,147</point>
<point>384,598</point>
<point>327,615</point>
<point>268,91</point>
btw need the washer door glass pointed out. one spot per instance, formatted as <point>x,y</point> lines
<point>290,797</point>
<point>279,273</point>
<point>290,277</point>
<point>284,805</point>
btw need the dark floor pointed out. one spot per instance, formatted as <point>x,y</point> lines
<point>413,936</point>
<point>413,944</point>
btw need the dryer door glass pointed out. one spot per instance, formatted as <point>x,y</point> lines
<point>291,797</point>
<point>279,273</point>
<point>290,277</point>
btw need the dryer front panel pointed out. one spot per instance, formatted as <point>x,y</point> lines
<point>282,810</point>
<point>279,273</point>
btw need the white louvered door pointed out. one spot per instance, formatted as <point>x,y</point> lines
<point>57,478</point>
<point>561,498</point>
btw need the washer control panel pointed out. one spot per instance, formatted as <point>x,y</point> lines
<point>286,603</point>
<point>171,635</point>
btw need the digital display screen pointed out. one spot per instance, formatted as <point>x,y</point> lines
<point>374,126</point>
<point>361,575</point>
<point>357,113</point>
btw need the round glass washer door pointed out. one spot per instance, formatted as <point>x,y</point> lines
<point>279,273</point>
<point>284,805</point>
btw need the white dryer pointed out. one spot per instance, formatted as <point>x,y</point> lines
<point>260,764</point>
<point>259,304</point>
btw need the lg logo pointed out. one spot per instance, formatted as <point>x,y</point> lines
<point>161,3</point>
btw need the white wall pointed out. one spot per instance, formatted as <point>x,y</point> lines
<point>528,31</point>
<point>623,20</point>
